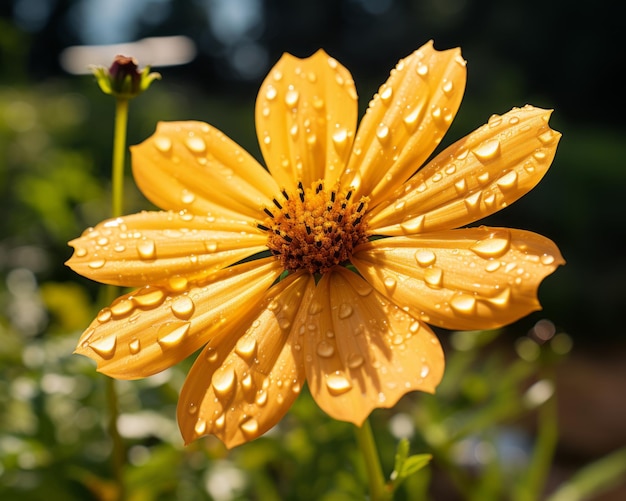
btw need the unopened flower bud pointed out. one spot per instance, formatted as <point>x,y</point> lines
<point>124,79</point>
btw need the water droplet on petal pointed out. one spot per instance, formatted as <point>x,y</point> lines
<point>246,348</point>
<point>195,144</point>
<point>413,225</point>
<point>97,264</point>
<point>223,382</point>
<point>390,284</point>
<point>163,143</point>
<point>345,310</point>
<point>315,307</point>
<point>488,150</point>
<point>80,252</point>
<point>104,315</point>
<point>434,277</point>
<point>122,308</point>
<point>425,257</point>
<point>424,371</point>
<point>355,360</point>
<point>472,202</point>
<point>340,139</point>
<point>291,98</point>
<point>177,283</point>
<point>447,87</point>
<point>171,334</point>
<point>147,249</point>
<point>187,197</point>
<point>183,307</point>
<point>105,347</point>
<point>386,94</point>
<point>200,427</point>
<point>134,346</point>
<point>271,92</point>
<point>491,247</point>
<point>261,397</point>
<point>337,384</point>
<point>547,259</point>
<point>192,409</point>
<point>502,300</point>
<point>464,304</point>
<point>250,428</point>
<point>325,349</point>
<point>382,133</point>
<point>508,181</point>
<point>220,421</point>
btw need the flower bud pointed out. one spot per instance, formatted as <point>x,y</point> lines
<point>124,79</point>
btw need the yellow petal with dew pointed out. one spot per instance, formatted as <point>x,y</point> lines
<point>153,328</point>
<point>306,113</point>
<point>245,379</point>
<point>363,352</point>
<point>484,172</point>
<point>195,167</point>
<point>465,279</point>
<point>162,248</point>
<point>405,121</point>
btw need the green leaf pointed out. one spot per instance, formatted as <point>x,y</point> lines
<point>406,465</point>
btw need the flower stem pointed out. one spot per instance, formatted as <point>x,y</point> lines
<point>118,454</point>
<point>377,485</point>
<point>119,153</point>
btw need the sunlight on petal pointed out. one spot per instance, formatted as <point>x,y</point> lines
<point>306,114</point>
<point>193,166</point>
<point>465,279</point>
<point>151,329</point>
<point>481,174</point>
<point>406,120</point>
<point>246,379</point>
<point>363,352</point>
<point>162,248</point>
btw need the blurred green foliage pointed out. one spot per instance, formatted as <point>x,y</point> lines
<point>490,428</point>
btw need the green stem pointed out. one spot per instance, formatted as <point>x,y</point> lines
<point>119,153</point>
<point>377,485</point>
<point>118,455</point>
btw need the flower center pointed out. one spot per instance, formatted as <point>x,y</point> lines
<point>314,229</point>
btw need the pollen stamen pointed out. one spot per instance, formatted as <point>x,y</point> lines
<point>316,230</point>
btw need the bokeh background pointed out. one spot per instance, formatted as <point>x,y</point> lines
<point>55,137</point>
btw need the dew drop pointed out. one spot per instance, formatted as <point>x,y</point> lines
<point>183,307</point>
<point>386,94</point>
<point>337,384</point>
<point>461,186</point>
<point>425,257</point>
<point>447,87</point>
<point>271,92</point>
<point>177,283</point>
<point>163,143</point>
<point>200,427</point>
<point>464,304</point>
<point>246,382</point>
<point>422,69</point>
<point>472,202</point>
<point>80,252</point>
<point>171,334</point>
<point>195,144</point>
<point>508,181</point>
<point>104,315</point>
<point>424,371</point>
<point>134,346</point>
<point>246,348</point>
<point>192,409</point>
<point>340,139</point>
<point>220,421</point>
<point>211,354</point>
<point>105,347</point>
<point>325,349</point>
<point>187,197</point>
<point>355,360</point>
<point>97,264</point>
<point>382,133</point>
<point>261,397</point>
<point>488,150</point>
<point>345,310</point>
<point>390,284</point>
<point>315,307</point>
<point>492,266</point>
<point>434,277</point>
<point>250,428</point>
<point>122,308</point>
<point>147,249</point>
<point>223,382</point>
<point>491,247</point>
<point>413,225</point>
<point>292,96</point>
<point>284,323</point>
<point>502,300</point>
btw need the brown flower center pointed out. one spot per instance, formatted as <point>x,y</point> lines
<point>314,229</point>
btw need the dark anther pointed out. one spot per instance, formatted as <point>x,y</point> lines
<point>301,191</point>
<point>360,207</point>
<point>348,195</point>
<point>285,195</point>
<point>308,229</point>
<point>287,237</point>
<point>332,196</point>
<point>319,188</point>
<point>340,217</point>
<point>318,244</point>
<point>357,221</point>
<point>261,227</point>
<point>268,212</point>
<point>277,204</point>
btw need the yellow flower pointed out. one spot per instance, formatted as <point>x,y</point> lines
<point>365,246</point>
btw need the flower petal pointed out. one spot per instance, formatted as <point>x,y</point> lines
<point>243,383</point>
<point>473,278</point>
<point>475,177</point>
<point>363,352</point>
<point>193,166</point>
<point>306,114</point>
<point>152,328</point>
<point>405,121</point>
<point>162,248</point>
